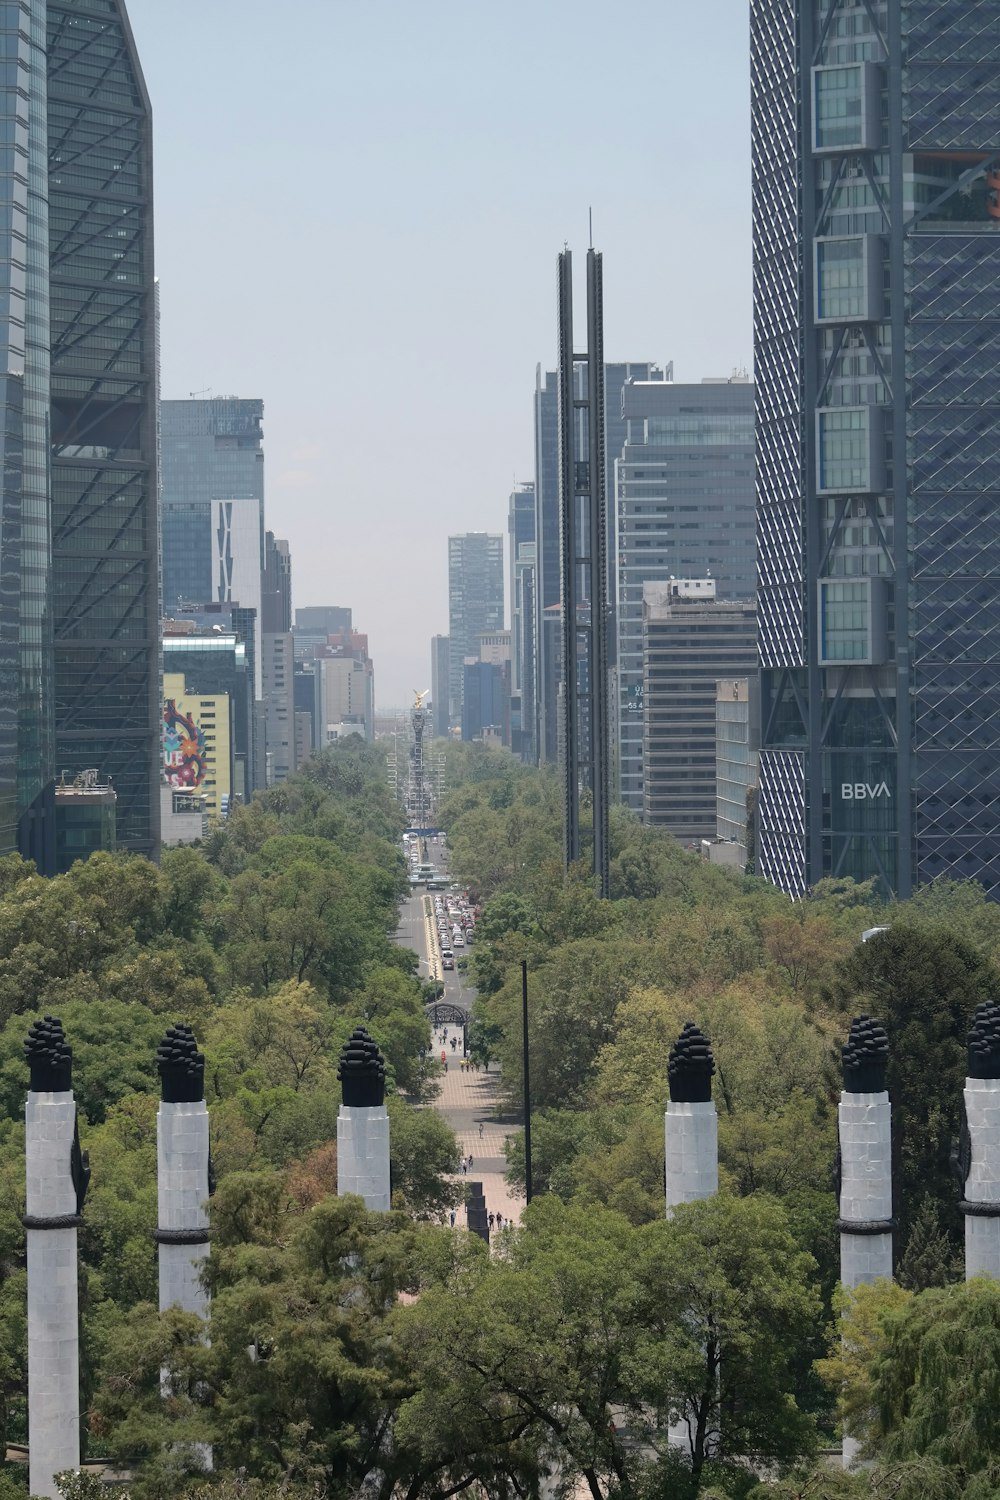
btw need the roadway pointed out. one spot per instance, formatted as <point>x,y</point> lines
<point>468,1101</point>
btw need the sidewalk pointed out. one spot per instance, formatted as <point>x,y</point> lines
<point>466,1101</point>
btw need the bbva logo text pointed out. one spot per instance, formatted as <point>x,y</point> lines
<point>861,791</point>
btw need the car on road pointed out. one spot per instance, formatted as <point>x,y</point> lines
<point>447,963</point>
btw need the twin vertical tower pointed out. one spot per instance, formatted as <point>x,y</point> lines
<point>583,568</point>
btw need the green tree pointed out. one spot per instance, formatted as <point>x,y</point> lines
<point>937,1380</point>
<point>732,1299</point>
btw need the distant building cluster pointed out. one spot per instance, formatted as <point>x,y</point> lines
<point>760,613</point>
<point>151,673</point>
<point>827,707</point>
<point>681,598</point>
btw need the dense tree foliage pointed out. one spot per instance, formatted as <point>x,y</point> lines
<point>389,1356</point>
<point>273,941</point>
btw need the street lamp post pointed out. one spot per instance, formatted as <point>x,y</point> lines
<point>527,1081</point>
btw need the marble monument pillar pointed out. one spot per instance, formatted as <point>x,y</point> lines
<point>57,1175</point>
<point>363,1124</point>
<point>981,1205</point>
<point>691,1158</point>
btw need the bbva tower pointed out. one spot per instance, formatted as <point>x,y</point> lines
<point>876,221</point>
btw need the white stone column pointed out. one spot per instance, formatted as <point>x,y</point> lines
<point>182,1198</point>
<point>363,1124</point>
<point>864,1120</point>
<point>982,1166</point>
<point>691,1143</point>
<point>691,1125</point>
<point>52,1203</point>
<point>182,1185</point>
<point>363,1155</point>
<point>691,1159</point>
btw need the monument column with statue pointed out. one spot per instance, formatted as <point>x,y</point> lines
<point>363,1123</point>
<point>691,1125</point>
<point>57,1174</point>
<point>864,1119</point>
<point>182,1161</point>
<point>981,1146</point>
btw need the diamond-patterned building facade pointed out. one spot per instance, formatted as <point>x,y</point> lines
<point>876,140</point>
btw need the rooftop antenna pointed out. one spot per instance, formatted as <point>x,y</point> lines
<point>590,215</point>
<point>195,394</point>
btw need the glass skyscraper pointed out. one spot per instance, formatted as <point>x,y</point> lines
<point>475,603</point>
<point>26,725</point>
<point>103,410</point>
<point>685,509</point>
<point>211,450</point>
<point>876,168</point>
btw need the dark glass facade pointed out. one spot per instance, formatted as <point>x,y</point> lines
<point>26,725</point>
<point>211,450</point>
<point>475,603</point>
<point>485,700</point>
<point>521,555</point>
<point>103,411</point>
<point>876,142</point>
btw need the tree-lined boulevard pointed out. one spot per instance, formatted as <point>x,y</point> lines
<point>391,1355</point>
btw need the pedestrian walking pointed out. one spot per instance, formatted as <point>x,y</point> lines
<point>452,1217</point>
<point>499,1221</point>
<point>492,1219</point>
<point>470,1161</point>
<point>480,1130</point>
<point>465,1168</point>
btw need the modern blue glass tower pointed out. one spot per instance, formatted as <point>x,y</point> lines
<point>212,450</point>
<point>105,577</point>
<point>26,724</point>
<point>876,165</point>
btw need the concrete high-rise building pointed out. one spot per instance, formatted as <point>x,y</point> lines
<point>304,699</point>
<point>103,404</point>
<point>232,619</point>
<point>26,698</point>
<point>345,689</point>
<point>475,603</point>
<point>876,131</point>
<point>520,555</point>
<point>217,682</point>
<point>690,640</point>
<point>685,509</point>
<point>440,669</point>
<point>546,582</point>
<point>278,663</point>
<point>314,626</point>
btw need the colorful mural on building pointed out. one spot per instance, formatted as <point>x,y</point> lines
<point>185,756</point>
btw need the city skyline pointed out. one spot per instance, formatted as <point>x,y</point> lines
<point>447,209</point>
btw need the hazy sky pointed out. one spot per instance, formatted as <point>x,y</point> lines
<point>358,212</point>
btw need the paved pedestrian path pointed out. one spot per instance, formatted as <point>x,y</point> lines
<point>468,1100</point>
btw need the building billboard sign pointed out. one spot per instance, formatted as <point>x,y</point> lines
<point>185,752</point>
